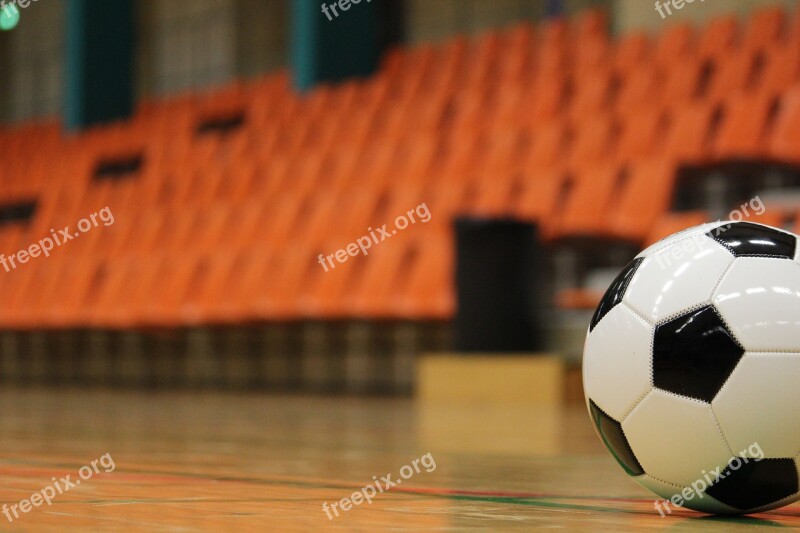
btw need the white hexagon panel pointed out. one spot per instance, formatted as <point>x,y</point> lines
<point>675,439</point>
<point>757,407</point>
<point>678,277</point>
<point>759,298</point>
<point>616,364</point>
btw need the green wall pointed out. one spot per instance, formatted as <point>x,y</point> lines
<point>330,47</point>
<point>98,78</point>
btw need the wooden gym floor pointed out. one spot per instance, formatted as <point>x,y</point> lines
<point>200,462</point>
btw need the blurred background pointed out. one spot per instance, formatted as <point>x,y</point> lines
<point>234,142</point>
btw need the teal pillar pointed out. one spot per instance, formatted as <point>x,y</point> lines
<point>334,39</point>
<point>98,82</point>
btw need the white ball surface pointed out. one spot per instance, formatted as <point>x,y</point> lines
<point>691,368</point>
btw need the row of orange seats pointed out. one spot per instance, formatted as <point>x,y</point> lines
<point>316,110</point>
<point>229,228</point>
<point>70,289</point>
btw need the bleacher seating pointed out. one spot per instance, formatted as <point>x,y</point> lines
<point>240,189</point>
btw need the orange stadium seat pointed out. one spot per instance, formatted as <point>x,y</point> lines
<point>176,280</point>
<point>784,143</point>
<point>593,138</point>
<point>66,309</point>
<point>683,83</point>
<point>549,144</point>
<point>593,93</point>
<point>136,305</point>
<point>543,193</point>
<point>690,133</point>
<point>719,38</point>
<point>375,278</point>
<point>632,51</point>
<point>104,305</point>
<point>780,69</point>
<point>251,295</point>
<point>427,293</point>
<point>552,47</point>
<point>640,88</point>
<point>494,192</point>
<point>732,74</point>
<point>645,197</point>
<point>669,223</point>
<point>589,200</point>
<point>674,44</point>
<point>744,127</point>
<point>324,291</point>
<point>591,24</point>
<point>764,28</point>
<point>550,95</point>
<point>203,289</point>
<point>516,64</point>
<point>592,53</point>
<point>640,133</point>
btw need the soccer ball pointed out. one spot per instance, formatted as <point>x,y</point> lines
<point>691,368</point>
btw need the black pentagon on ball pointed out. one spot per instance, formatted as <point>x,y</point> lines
<point>694,354</point>
<point>615,292</point>
<point>755,483</point>
<point>614,438</point>
<point>744,239</point>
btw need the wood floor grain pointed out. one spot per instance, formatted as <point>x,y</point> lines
<point>200,462</point>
